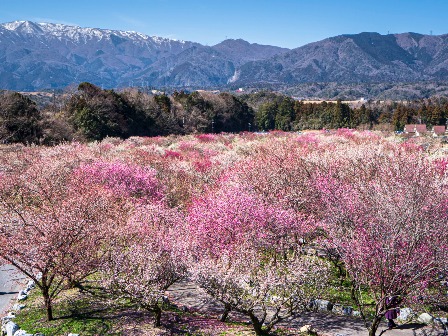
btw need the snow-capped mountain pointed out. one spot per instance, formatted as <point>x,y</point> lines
<point>45,55</point>
<point>84,35</point>
<point>37,56</point>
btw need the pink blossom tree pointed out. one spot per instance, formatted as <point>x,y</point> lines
<point>128,181</point>
<point>247,254</point>
<point>144,262</point>
<point>52,225</point>
<point>282,170</point>
<point>387,223</point>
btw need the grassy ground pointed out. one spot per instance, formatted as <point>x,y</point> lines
<point>83,314</point>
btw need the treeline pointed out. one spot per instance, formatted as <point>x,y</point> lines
<point>275,111</point>
<point>91,113</point>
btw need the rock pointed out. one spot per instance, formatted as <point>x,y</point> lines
<point>22,332</point>
<point>11,315</point>
<point>323,305</point>
<point>406,314</point>
<point>31,284</point>
<point>8,318</point>
<point>337,309</point>
<point>11,328</point>
<point>5,319</point>
<point>342,310</point>
<point>22,296</point>
<point>18,307</point>
<point>347,311</point>
<point>307,328</point>
<point>425,318</point>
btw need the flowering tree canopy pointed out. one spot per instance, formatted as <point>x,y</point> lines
<point>247,254</point>
<point>144,262</point>
<point>52,224</point>
<point>387,223</point>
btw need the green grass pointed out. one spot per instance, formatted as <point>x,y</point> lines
<point>70,316</point>
<point>76,312</point>
<point>340,292</point>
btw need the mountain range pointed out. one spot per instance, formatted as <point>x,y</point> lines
<point>36,56</point>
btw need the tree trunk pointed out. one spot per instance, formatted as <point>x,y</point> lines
<point>158,316</point>
<point>48,303</point>
<point>258,326</point>
<point>374,327</point>
<point>225,313</point>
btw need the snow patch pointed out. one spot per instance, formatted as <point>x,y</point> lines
<point>79,34</point>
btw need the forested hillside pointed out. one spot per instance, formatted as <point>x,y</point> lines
<point>91,113</point>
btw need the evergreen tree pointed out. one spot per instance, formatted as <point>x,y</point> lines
<point>265,116</point>
<point>20,120</point>
<point>285,115</point>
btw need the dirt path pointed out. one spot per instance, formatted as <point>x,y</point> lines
<point>186,294</point>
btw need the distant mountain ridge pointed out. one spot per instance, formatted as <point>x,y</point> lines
<point>46,55</point>
<point>36,56</point>
<point>364,57</point>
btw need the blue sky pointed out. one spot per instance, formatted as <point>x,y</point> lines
<point>285,23</point>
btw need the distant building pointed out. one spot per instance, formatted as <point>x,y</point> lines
<point>438,130</point>
<point>415,129</point>
<point>420,129</point>
<point>409,129</point>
